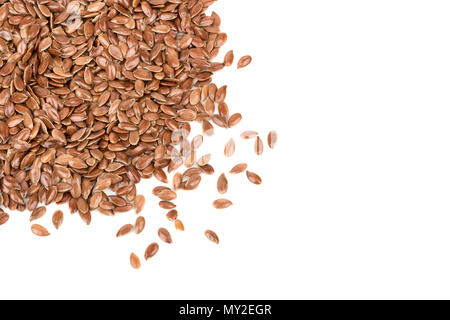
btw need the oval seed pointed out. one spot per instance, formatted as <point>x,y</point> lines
<point>249,134</point>
<point>134,261</point>
<point>222,184</point>
<point>124,230</point>
<point>239,168</point>
<point>254,178</point>
<point>139,225</point>
<point>139,203</point>
<point>39,230</point>
<point>151,250</point>
<point>164,235</point>
<point>222,203</point>
<point>57,219</point>
<point>230,148</point>
<point>272,139</point>
<point>4,217</point>
<point>212,236</point>
<point>259,146</point>
<point>244,61</point>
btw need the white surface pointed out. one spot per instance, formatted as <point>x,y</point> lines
<point>354,201</point>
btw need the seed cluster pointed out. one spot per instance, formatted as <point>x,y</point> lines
<point>97,95</point>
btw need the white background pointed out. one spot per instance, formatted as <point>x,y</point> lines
<point>354,201</point>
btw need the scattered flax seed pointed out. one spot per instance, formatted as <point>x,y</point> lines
<point>230,148</point>
<point>244,61</point>
<point>179,225</point>
<point>272,139</point>
<point>151,250</point>
<point>38,213</point>
<point>234,120</point>
<point>164,235</point>
<point>4,217</point>
<point>222,184</point>
<point>259,146</point>
<point>139,225</point>
<point>135,261</point>
<point>249,134</point>
<point>172,215</point>
<point>89,107</point>
<point>212,236</point>
<point>166,205</point>
<point>57,219</point>
<point>39,230</point>
<point>239,168</point>
<point>222,203</point>
<point>228,59</point>
<point>253,178</point>
<point>124,230</point>
<point>139,203</point>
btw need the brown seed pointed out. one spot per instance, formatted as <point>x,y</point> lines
<point>164,235</point>
<point>139,225</point>
<point>272,139</point>
<point>151,250</point>
<point>229,57</point>
<point>57,219</point>
<point>38,213</point>
<point>167,195</point>
<point>4,217</point>
<point>166,205</point>
<point>230,148</point>
<point>222,184</point>
<point>172,215</point>
<point>179,225</point>
<point>244,61</point>
<point>222,203</point>
<point>39,230</point>
<point>139,203</point>
<point>124,230</point>
<point>239,168</point>
<point>212,236</point>
<point>253,178</point>
<point>234,120</point>
<point>134,261</point>
<point>259,146</point>
<point>249,134</point>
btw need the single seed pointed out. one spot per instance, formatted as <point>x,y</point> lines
<point>164,235</point>
<point>272,139</point>
<point>249,134</point>
<point>222,184</point>
<point>57,219</point>
<point>38,213</point>
<point>254,178</point>
<point>4,217</point>
<point>39,230</point>
<point>172,215</point>
<point>139,225</point>
<point>124,230</point>
<point>134,261</point>
<point>179,225</point>
<point>229,57</point>
<point>244,61</point>
<point>166,205</point>
<point>139,203</point>
<point>230,148</point>
<point>151,250</point>
<point>212,236</point>
<point>222,203</point>
<point>259,146</point>
<point>239,168</point>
